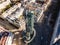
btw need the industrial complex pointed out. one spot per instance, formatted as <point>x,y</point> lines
<point>29,22</point>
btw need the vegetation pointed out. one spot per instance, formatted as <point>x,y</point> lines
<point>7,7</point>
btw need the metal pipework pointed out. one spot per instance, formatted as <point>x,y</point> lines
<point>30,33</point>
